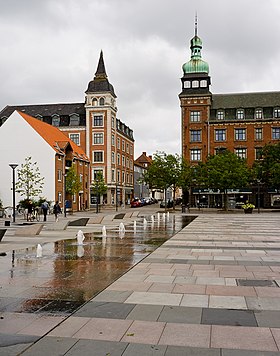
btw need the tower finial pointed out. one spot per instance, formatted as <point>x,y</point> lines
<point>195,24</point>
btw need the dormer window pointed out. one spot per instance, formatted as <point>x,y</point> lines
<point>101,102</point>
<point>276,113</point>
<point>39,117</point>
<point>55,120</point>
<point>74,120</point>
<point>220,115</point>
<point>187,84</point>
<point>258,114</point>
<point>240,114</point>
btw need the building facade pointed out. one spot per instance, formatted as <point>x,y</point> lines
<point>93,125</point>
<point>210,123</point>
<point>54,154</point>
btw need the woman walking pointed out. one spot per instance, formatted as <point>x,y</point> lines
<point>56,210</point>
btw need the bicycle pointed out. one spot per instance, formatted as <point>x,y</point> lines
<point>21,212</point>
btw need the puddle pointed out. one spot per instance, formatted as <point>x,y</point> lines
<point>68,275</point>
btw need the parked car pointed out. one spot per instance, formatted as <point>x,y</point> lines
<point>136,203</point>
<point>147,200</point>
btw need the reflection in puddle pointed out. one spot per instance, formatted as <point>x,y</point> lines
<point>68,273</point>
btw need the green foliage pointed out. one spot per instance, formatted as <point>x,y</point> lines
<point>223,171</point>
<point>98,185</point>
<point>29,181</point>
<point>72,182</point>
<point>267,170</point>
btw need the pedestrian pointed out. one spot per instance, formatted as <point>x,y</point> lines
<point>29,210</point>
<point>45,208</point>
<point>56,210</point>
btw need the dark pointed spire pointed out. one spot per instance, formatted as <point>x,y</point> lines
<point>100,82</point>
<point>100,71</point>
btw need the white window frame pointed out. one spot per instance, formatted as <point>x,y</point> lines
<point>195,116</point>
<point>195,154</point>
<point>98,136</point>
<point>76,141</point>
<point>95,152</point>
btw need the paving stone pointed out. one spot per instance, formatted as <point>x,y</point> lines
<point>145,312</point>
<point>154,298</point>
<point>190,351</point>
<point>147,332</point>
<point>13,349</point>
<point>51,346</point>
<point>227,302</point>
<point>256,282</point>
<point>97,348</point>
<point>248,353</point>
<point>263,303</point>
<point>268,318</point>
<point>105,310</point>
<point>112,296</point>
<point>147,350</point>
<point>14,339</point>
<point>228,317</point>
<point>175,314</point>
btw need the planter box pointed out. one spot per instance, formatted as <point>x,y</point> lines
<point>248,211</point>
<point>2,233</point>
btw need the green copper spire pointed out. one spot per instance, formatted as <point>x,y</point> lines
<point>196,64</point>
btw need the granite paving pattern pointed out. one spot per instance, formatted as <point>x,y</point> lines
<point>212,289</point>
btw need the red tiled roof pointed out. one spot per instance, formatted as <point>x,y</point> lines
<point>53,136</point>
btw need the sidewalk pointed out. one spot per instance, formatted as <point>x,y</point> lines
<point>212,289</point>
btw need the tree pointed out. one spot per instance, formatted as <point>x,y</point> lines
<point>267,170</point>
<point>223,171</point>
<point>72,182</point>
<point>98,187</point>
<point>167,171</point>
<point>29,182</point>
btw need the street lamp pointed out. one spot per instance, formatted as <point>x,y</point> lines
<point>14,166</point>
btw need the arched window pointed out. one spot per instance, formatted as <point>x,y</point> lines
<point>74,120</point>
<point>94,102</point>
<point>101,101</point>
<point>55,120</point>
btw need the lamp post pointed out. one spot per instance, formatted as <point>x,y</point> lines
<point>259,197</point>
<point>14,166</point>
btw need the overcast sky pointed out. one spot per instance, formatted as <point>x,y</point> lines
<point>50,50</point>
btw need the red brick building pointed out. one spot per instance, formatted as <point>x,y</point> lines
<point>241,122</point>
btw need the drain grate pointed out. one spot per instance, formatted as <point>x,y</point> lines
<point>256,282</point>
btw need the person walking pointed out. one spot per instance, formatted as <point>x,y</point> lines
<point>29,210</point>
<point>45,208</point>
<point>56,210</point>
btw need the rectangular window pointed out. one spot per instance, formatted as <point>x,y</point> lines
<point>75,137</point>
<point>123,161</point>
<point>195,135</point>
<point>220,135</point>
<point>113,122</point>
<point>81,178</point>
<point>275,133</point>
<point>258,153</point>
<point>240,114</point>
<point>277,113</point>
<point>59,175</point>
<point>241,152</point>
<point>113,175</point>
<point>59,197</point>
<point>98,138</point>
<point>118,143</point>
<point>195,116</point>
<point>96,172</point>
<point>127,148</point>
<point>240,134</point>
<point>97,156</point>
<point>195,155</point>
<point>258,114</point>
<point>220,115</point>
<point>123,145</point>
<point>258,134</point>
<point>113,140</point>
<point>97,120</point>
<point>113,157</point>
<point>118,159</point>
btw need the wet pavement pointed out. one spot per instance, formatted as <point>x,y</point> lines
<point>210,289</point>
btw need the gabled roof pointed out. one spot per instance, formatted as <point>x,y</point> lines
<point>54,137</point>
<point>143,158</point>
